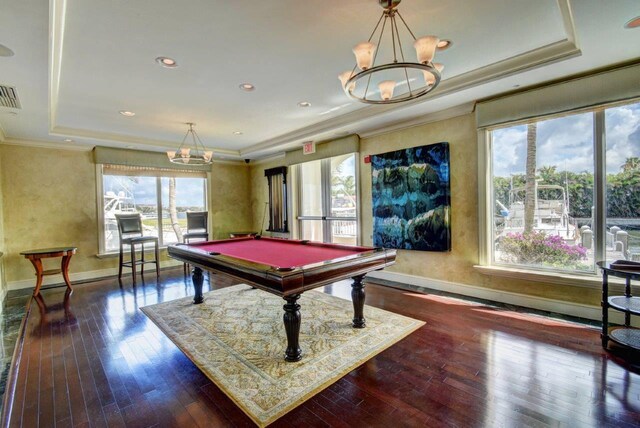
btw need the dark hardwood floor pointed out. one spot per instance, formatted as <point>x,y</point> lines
<point>98,361</point>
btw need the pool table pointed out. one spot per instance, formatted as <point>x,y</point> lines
<point>286,268</point>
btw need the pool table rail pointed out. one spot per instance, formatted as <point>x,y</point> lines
<point>285,281</point>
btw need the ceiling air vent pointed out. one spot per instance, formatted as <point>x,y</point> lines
<point>9,97</point>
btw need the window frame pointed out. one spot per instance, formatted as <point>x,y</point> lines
<point>100,208</point>
<point>326,187</point>
<point>486,265</point>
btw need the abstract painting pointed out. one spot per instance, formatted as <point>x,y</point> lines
<point>411,198</point>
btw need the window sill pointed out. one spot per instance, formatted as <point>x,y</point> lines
<point>587,280</point>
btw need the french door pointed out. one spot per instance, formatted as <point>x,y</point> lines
<point>327,208</point>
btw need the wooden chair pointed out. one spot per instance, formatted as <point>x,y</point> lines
<point>130,232</point>
<point>197,228</point>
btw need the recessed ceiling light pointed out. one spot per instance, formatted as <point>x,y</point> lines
<point>304,104</point>
<point>127,113</point>
<point>68,140</point>
<point>237,132</point>
<point>166,62</point>
<point>247,87</point>
<point>5,51</point>
<point>633,23</point>
<point>444,44</point>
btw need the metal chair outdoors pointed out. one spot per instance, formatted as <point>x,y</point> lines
<point>197,228</point>
<point>131,233</point>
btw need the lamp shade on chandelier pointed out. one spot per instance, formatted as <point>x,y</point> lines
<point>194,154</point>
<point>373,81</point>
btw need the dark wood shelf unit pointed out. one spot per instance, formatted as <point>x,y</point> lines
<point>628,304</point>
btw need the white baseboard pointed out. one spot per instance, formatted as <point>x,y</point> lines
<point>78,276</point>
<point>534,302</point>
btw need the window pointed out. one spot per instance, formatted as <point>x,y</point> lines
<point>545,213</point>
<point>162,197</point>
<point>327,200</point>
<point>277,181</point>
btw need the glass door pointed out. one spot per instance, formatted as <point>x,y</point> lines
<point>327,208</point>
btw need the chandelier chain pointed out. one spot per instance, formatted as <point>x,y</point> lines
<point>405,24</point>
<point>376,27</point>
<point>375,55</point>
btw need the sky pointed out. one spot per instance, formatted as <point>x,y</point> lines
<point>567,142</point>
<point>189,191</point>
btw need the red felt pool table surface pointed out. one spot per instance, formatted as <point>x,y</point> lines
<point>281,253</point>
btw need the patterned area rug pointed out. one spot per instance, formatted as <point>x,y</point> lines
<point>237,338</point>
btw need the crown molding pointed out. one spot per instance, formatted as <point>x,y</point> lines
<point>128,140</point>
<point>57,14</point>
<point>43,144</point>
<point>459,110</point>
<point>267,159</point>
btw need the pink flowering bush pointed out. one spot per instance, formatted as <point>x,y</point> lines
<point>538,248</point>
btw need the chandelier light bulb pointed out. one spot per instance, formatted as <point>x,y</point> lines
<point>184,152</point>
<point>208,155</point>
<point>426,48</point>
<point>386,89</point>
<point>429,78</point>
<point>171,154</point>
<point>344,78</point>
<point>364,54</point>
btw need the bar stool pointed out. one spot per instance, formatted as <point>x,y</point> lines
<point>197,228</point>
<point>130,232</point>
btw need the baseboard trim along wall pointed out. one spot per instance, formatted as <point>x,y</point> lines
<point>81,276</point>
<point>418,283</point>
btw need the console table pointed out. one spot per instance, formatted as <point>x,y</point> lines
<point>36,256</point>
<point>627,303</point>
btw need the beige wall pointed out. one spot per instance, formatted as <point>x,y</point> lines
<point>3,284</point>
<point>231,208</point>
<point>455,266</point>
<point>49,200</point>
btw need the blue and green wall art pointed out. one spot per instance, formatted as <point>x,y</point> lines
<point>412,198</point>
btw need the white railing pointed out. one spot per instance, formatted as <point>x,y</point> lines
<point>344,228</point>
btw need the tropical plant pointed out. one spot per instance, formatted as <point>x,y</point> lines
<point>538,248</point>
<point>530,183</point>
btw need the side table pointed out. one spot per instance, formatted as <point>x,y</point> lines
<point>36,256</point>
<point>627,303</point>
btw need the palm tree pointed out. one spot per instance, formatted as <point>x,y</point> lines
<point>173,212</point>
<point>530,183</point>
<point>631,164</point>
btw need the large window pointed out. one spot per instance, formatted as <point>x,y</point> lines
<point>545,180</point>
<point>327,200</point>
<point>162,197</point>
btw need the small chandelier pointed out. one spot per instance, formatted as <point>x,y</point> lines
<point>398,80</point>
<point>195,155</point>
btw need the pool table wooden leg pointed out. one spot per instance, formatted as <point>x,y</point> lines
<point>198,280</point>
<point>292,320</point>
<point>358,296</point>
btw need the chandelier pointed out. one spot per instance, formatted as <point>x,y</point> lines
<point>196,155</point>
<point>398,80</point>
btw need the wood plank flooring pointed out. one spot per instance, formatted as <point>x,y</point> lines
<point>97,361</point>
